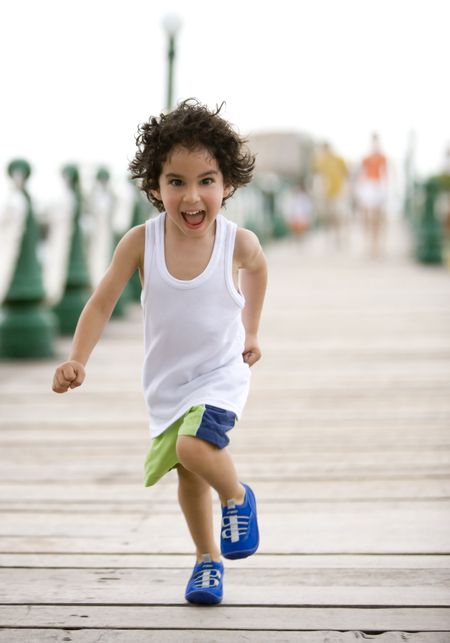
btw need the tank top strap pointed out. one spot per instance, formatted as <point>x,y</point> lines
<point>149,252</point>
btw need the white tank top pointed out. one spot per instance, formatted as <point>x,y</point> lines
<point>193,332</point>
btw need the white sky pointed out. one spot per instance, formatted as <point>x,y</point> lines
<point>77,77</point>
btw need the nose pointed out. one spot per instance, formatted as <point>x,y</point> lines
<point>191,194</point>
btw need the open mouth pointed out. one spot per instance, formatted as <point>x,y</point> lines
<point>194,219</point>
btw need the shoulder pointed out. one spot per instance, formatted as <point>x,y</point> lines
<point>134,236</point>
<point>248,253</point>
<point>132,243</point>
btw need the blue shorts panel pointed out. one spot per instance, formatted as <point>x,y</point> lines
<point>215,424</point>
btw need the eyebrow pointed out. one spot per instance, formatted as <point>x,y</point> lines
<point>173,175</point>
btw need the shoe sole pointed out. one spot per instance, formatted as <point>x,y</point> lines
<point>245,553</point>
<point>203,598</point>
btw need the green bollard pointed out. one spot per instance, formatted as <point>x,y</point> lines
<point>103,178</point>
<point>27,327</point>
<point>429,233</point>
<point>77,287</point>
<point>139,215</point>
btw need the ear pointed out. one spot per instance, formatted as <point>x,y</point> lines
<point>156,194</point>
<point>227,191</point>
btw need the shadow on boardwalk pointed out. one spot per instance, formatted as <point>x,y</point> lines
<point>345,440</point>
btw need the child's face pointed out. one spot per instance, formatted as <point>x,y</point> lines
<point>191,188</point>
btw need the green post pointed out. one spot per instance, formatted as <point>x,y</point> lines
<point>170,60</point>
<point>27,327</point>
<point>429,234</point>
<point>77,287</point>
<point>172,24</point>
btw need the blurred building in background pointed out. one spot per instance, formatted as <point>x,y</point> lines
<point>287,154</point>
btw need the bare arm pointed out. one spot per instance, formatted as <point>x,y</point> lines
<point>253,281</point>
<point>95,315</point>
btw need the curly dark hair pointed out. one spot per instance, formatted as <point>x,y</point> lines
<point>191,125</point>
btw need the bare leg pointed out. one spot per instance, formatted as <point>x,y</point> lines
<point>376,223</point>
<point>212,464</point>
<point>194,496</point>
<point>369,231</point>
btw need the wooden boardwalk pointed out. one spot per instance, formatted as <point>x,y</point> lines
<point>345,439</point>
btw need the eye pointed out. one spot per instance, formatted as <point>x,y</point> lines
<point>175,182</point>
<point>207,181</point>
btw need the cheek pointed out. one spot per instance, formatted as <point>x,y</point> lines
<point>218,195</point>
<point>169,198</point>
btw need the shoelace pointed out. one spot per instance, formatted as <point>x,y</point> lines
<point>206,576</point>
<point>235,525</point>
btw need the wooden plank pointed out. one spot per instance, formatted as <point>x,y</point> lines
<point>295,587</point>
<point>298,423</point>
<point>98,435</point>
<point>250,468</point>
<point>135,438</point>
<point>181,545</point>
<point>261,561</point>
<point>432,457</point>
<point>311,533</point>
<point>210,636</point>
<point>143,508</point>
<point>108,405</point>
<point>435,508</point>
<point>336,527</point>
<point>408,423</point>
<point>287,387</point>
<point>90,495</point>
<point>226,618</point>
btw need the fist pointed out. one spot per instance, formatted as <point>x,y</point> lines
<point>68,375</point>
<point>252,352</point>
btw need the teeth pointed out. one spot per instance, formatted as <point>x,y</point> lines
<point>190,214</point>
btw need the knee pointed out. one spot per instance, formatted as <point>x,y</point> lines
<point>190,481</point>
<point>187,450</point>
<point>192,452</point>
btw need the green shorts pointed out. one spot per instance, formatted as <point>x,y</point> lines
<point>205,422</point>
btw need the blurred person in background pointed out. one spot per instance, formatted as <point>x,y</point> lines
<point>299,210</point>
<point>331,176</point>
<point>372,196</point>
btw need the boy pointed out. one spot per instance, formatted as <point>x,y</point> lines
<point>200,324</point>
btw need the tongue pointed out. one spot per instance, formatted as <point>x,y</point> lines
<point>194,219</point>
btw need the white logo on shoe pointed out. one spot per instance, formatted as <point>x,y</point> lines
<point>207,577</point>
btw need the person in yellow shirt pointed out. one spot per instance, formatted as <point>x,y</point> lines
<point>331,174</point>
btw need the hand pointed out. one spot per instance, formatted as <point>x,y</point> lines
<point>68,375</point>
<point>252,352</point>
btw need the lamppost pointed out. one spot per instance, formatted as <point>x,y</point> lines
<point>171,24</point>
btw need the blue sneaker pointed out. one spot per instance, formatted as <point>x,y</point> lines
<point>239,536</point>
<point>205,586</point>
